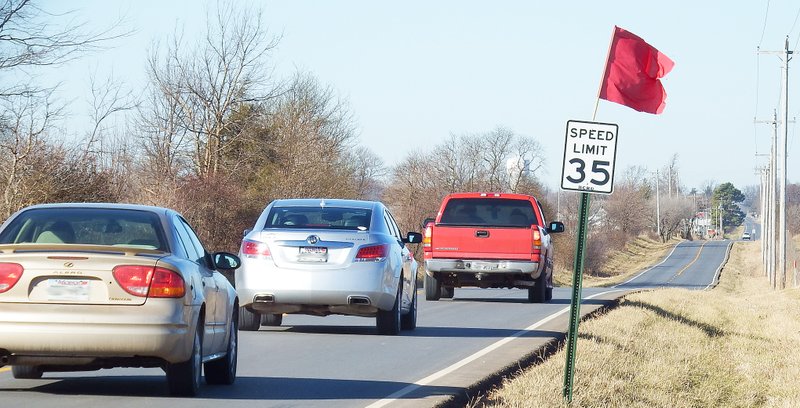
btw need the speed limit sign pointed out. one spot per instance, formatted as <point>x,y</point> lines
<point>589,153</point>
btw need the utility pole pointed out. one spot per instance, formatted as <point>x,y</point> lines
<point>658,209</point>
<point>780,172</point>
<point>768,216</point>
<point>784,144</point>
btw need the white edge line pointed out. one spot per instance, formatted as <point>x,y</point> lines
<point>722,264</point>
<point>480,353</point>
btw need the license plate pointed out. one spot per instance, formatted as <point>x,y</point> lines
<point>313,254</point>
<point>479,266</point>
<point>75,290</point>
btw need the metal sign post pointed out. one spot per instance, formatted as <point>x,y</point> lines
<point>589,153</point>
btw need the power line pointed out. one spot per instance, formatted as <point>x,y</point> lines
<point>764,28</point>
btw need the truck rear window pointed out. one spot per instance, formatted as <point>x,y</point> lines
<point>488,212</point>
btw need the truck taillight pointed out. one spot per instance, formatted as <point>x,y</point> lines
<point>426,238</point>
<point>536,244</point>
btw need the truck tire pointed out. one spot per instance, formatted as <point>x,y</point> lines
<point>538,292</point>
<point>433,288</point>
<point>448,292</point>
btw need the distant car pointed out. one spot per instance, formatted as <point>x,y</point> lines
<point>746,236</point>
<point>323,257</point>
<point>91,286</point>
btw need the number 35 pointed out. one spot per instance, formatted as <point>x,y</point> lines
<point>598,168</point>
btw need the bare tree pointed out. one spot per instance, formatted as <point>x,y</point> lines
<point>31,37</point>
<point>210,80</point>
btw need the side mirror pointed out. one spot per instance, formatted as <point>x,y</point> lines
<point>225,260</point>
<point>247,231</point>
<point>427,221</point>
<point>413,238</point>
<point>555,226</point>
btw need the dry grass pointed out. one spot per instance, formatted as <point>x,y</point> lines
<point>638,255</point>
<point>733,346</point>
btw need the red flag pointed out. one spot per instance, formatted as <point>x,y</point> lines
<point>632,73</point>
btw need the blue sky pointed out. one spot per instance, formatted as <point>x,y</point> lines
<point>414,72</point>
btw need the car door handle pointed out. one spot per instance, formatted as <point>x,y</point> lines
<point>482,234</point>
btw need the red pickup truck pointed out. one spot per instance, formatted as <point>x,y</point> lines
<point>489,240</point>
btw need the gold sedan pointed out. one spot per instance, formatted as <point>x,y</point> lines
<point>91,286</point>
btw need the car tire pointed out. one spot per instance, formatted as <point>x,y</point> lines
<point>548,296</point>
<point>271,319</point>
<point>248,321</point>
<point>183,378</point>
<point>409,320</point>
<point>223,371</point>
<point>27,372</point>
<point>388,321</point>
<point>538,292</point>
<point>433,288</point>
<point>448,292</point>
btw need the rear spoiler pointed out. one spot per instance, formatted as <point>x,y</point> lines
<point>121,249</point>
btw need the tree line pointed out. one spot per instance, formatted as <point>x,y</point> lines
<point>216,136</point>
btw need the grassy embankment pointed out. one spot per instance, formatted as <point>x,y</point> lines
<point>732,346</point>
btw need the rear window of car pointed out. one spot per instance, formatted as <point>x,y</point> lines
<point>357,219</point>
<point>92,226</point>
<point>489,212</point>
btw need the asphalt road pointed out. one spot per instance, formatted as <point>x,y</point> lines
<point>340,361</point>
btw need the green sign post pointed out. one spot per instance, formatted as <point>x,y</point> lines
<point>590,150</point>
<point>575,306</point>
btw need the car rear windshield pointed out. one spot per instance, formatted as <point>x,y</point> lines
<point>357,219</point>
<point>92,226</point>
<point>489,212</point>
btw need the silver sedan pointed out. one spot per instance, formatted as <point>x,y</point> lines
<point>323,257</point>
<point>91,286</point>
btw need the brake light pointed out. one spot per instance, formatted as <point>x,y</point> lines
<point>255,248</point>
<point>148,281</point>
<point>372,253</point>
<point>135,279</point>
<point>9,275</point>
<point>427,238</point>
<point>536,244</point>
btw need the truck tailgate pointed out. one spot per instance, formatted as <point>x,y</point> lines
<point>481,242</point>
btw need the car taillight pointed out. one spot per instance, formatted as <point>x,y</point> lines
<point>167,284</point>
<point>141,281</point>
<point>9,275</point>
<point>427,238</point>
<point>255,248</point>
<point>373,253</point>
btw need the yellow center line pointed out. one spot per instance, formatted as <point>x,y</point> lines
<point>693,260</point>
<point>8,368</point>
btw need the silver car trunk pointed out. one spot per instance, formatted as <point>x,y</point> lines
<point>318,249</point>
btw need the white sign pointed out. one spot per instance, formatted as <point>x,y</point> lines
<point>589,153</point>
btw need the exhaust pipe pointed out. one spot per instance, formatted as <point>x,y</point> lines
<point>358,300</point>
<point>264,299</point>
